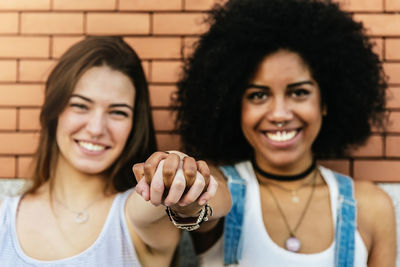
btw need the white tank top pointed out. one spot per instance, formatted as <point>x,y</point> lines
<point>258,247</point>
<point>113,247</point>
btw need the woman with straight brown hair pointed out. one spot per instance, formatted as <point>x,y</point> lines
<point>81,210</point>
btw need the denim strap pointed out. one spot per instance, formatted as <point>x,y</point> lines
<point>234,220</point>
<point>346,223</point>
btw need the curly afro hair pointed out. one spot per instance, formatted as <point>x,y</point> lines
<point>242,33</point>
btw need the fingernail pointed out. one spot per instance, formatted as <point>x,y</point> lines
<point>182,204</point>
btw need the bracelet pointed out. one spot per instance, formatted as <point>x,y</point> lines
<point>189,223</point>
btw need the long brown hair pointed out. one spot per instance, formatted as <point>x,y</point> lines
<point>86,54</point>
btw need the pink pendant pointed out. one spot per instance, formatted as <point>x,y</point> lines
<point>293,244</point>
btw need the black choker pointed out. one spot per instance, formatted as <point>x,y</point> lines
<point>284,177</point>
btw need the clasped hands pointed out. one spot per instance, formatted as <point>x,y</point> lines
<point>176,180</point>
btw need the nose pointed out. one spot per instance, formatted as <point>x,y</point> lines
<point>96,124</point>
<point>279,110</point>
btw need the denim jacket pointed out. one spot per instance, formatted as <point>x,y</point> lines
<point>345,224</point>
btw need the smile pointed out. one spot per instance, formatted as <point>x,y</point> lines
<point>91,147</point>
<point>282,136</point>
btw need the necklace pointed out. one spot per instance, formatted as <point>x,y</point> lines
<point>293,244</point>
<point>80,216</point>
<point>295,197</point>
<point>284,177</point>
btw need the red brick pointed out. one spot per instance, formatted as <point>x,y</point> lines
<point>18,143</point>
<point>161,95</point>
<point>24,167</point>
<point>392,70</point>
<point>342,166</point>
<point>150,5</point>
<point>25,5</point>
<point>381,24</point>
<point>8,70</point>
<point>377,170</point>
<point>24,47</point>
<point>156,47</point>
<point>167,142</point>
<point>117,23</point>
<point>200,4</point>
<point>21,95</point>
<point>392,5</point>
<point>84,5</point>
<point>372,148</point>
<point>7,167</point>
<point>29,119</point>
<point>179,23</point>
<point>8,119</point>
<point>189,44</point>
<point>393,97</point>
<point>393,146</point>
<point>52,23</point>
<point>8,23</point>
<point>361,5</point>
<point>165,71</point>
<point>35,70</point>
<point>61,44</point>
<point>392,49</point>
<point>163,120</point>
<point>394,122</point>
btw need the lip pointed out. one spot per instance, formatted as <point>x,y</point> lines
<point>282,144</point>
<point>87,151</point>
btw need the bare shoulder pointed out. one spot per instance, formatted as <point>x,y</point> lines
<point>376,221</point>
<point>370,196</point>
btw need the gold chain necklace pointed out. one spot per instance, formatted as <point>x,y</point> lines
<point>295,197</point>
<point>293,243</point>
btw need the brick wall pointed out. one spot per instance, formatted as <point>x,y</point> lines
<point>33,35</point>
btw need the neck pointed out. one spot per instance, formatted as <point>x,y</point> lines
<point>73,187</point>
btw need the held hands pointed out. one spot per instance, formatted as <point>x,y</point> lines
<point>173,179</point>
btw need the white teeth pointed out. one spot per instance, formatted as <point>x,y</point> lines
<point>281,136</point>
<point>91,147</point>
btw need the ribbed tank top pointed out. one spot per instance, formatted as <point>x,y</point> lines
<point>113,247</point>
<point>259,250</point>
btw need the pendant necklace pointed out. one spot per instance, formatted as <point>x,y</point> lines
<point>293,244</point>
<point>80,216</point>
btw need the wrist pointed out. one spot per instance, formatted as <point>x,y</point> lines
<point>189,223</point>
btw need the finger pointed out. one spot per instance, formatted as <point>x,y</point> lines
<point>176,190</point>
<point>171,165</point>
<point>190,171</point>
<point>138,171</point>
<point>202,167</point>
<point>210,193</point>
<point>150,166</point>
<point>143,189</point>
<point>194,192</point>
<point>157,186</point>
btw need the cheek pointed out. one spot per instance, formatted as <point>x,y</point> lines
<point>121,131</point>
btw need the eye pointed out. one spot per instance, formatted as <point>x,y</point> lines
<point>78,106</point>
<point>258,95</point>
<point>300,93</point>
<point>119,113</point>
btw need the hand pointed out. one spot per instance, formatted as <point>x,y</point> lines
<point>174,178</point>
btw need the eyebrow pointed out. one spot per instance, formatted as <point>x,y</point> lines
<point>289,85</point>
<point>116,105</point>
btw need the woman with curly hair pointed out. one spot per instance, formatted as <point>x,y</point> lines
<point>272,86</point>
